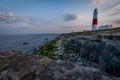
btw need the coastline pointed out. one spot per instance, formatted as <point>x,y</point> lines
<point>94,49</point>
<point>74,56</point>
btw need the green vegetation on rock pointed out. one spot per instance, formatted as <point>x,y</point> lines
<point>48,48</point>
<point>98,32</point>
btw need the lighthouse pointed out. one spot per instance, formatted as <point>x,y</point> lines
<point>95,19</point>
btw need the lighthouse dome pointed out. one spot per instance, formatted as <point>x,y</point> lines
<point>95,10</point>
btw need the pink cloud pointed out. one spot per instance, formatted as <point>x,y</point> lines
<point>11,14</point>
<point>12,19</point>
<point>98,2</point>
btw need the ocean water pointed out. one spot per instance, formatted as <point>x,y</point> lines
<point>16,42</point>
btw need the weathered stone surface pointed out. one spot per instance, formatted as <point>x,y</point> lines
<point>18,66</point>
<point>110,59</point>
<point>69,71</point>
<point>102,50</point>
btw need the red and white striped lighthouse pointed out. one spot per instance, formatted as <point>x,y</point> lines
<point>95,19</point>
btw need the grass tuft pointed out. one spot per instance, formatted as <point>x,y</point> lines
<point>48,49</point>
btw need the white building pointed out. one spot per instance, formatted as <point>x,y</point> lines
<point>105,27</point>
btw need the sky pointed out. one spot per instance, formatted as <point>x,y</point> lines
<point>55,16</point>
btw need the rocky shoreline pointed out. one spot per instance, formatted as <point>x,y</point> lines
<point>75,56</point>
<point>96,51</point>
<point>18,66</point>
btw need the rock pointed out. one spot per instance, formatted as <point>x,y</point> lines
<point>69,71</point>
<point>98,51</point>
<point>26,43</point>
<point>34,67</point>
<point>110,59</point>
<point>18,66</point>
<point>7,78</point>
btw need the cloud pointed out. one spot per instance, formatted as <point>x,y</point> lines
<point>98,2</point>
<point>111,11</point>
<point>117,21</point>
<point>70,17</point>
<point>111,5</point>
<point>11,14</point>
<point>116,10</point>
<point>12,19</point>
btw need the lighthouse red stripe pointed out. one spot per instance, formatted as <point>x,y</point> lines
<point>94,21</point>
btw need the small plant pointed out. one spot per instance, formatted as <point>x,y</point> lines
<point>48,49</point>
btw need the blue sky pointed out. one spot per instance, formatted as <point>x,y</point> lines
<point>55,16</point>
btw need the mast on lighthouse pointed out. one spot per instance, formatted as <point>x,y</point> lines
<point>95,20</point>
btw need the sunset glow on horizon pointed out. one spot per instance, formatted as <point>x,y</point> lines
<point>55,16</point>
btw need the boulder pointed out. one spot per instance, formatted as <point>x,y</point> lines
<point>110,59</point>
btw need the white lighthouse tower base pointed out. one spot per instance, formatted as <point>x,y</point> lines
<point>94,27</point>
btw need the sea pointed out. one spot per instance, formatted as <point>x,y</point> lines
<point>24,42</point>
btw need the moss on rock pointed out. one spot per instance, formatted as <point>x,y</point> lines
<point>48,48</point>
